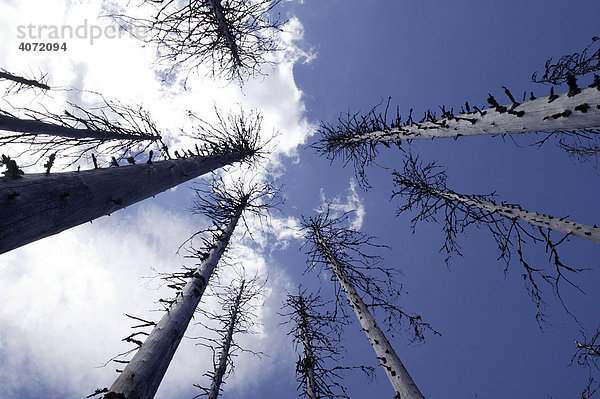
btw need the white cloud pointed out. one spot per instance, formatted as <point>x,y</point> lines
<point>66,296</point>
<point>350,202</point>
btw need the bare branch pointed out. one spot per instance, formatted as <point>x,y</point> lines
<point>423,188</point>
<point>572,65</point>
<point>230,36</point>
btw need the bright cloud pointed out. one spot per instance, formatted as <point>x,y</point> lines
<point>343,203</point>
<point>67,295</point>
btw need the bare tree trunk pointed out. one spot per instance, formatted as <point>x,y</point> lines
<point>402,382</point>
<point>309,358</point>
<point>23,81</point>
<point>591,233</point>
<point>144,373</point>
<point>224,355</point>
<point>555,113</point>
<point>35,206</point>
<point>33,127</point>
<point>216,7</point>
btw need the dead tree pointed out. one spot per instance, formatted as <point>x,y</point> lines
<point>34,206</point>
<point>232,36</point>
<point>575,64</point>
<point>19,82</point>
<point>424,189</point>
<point>587,355</point>
<point>583,145</point>
<point>239,302</point>
<point>317,336</point>
<point>357,138</point>
<point>341,250</point>
<point>224,206</point>
<point>111,127</point>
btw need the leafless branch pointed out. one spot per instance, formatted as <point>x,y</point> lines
<point>230,36</point>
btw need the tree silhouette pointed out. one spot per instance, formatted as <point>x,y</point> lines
<point>587,355</point>
<point>232,36</point>
<point>109,128</point>
<point>20,82</point>
<point>238,300</point>
<point>318,334</point>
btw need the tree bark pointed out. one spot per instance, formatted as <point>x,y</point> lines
<point>224,355</point>
<point>35,206</point>
<point>591,233</point>
<point>33,127</point>
<point>217,9</point>
<point>558,113</point>
<point>144,373</point>
<point>402,382</point>
<point>309,357</point>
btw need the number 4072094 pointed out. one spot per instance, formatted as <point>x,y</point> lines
<point>42,46</point>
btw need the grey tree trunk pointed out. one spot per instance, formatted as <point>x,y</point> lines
<point>558,113</point>
<point>23,81</point>
<point>33,127</point>
<point>402,382</point>
<point>224,355</point>
<point>144,373</point>
<point>216,8</point>
<point>309,358</point>
<point>35,206</point>
<point>591,233</point>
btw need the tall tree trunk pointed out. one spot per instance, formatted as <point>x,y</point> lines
<point>591,233</point>
<point>309,358</point>
<point>23,81</point>
<point>144,373</point>
<point>224,355</point>
<point>402,382</point>
<point>555,113</point>
<point>35,206</point>
<point>217,9</point>
<point>33,127</point>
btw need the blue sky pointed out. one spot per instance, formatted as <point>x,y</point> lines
<point>66,295</point>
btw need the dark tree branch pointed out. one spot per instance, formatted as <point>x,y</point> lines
<point>231,36</point>
<point>424,190</point>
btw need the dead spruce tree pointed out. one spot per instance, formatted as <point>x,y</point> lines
<point>587,355</point>
<point>316,334</point>
<point>424,189</point>
<point>582,145</point>
<point>111,127</point>
<point>239,301</point>
<point>34,206</point>
<point>232,36</point>
<point>341,250</point>
<point>575,64</point>
<point>19,82</point>
<point>357,138</point>
<point>224,206</point>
